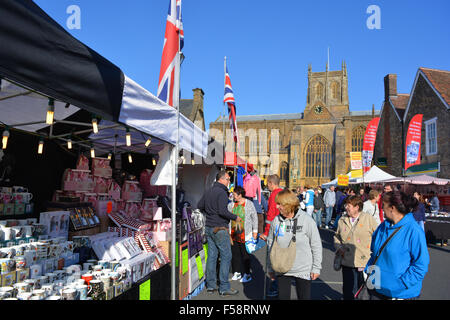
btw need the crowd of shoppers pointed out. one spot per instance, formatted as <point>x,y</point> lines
<point>362,225</point>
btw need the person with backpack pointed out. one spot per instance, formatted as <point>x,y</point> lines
<point>295,248</point>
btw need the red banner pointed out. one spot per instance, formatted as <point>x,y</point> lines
<point>413,136</point>
<point>369,143</point>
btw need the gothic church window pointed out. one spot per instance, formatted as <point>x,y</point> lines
<point>358,139</point>
<point>335,90</point>
<point>318,157</point>
<point>318,90</point>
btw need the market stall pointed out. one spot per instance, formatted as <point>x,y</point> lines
<point>97,234</point>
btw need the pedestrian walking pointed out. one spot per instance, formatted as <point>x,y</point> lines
<point>352,243</point>
<point>340,207</point>
<point>363,195</point>
<point>308,200</point>
<point>419,213</point>
<point>273,184</point>
<point>403,263</point>
<point>329,200</point>
<point>371,205</point>
<point>294,227</point>
<point>215,205</point>
<point>319,207</point>
<point>242,231</point>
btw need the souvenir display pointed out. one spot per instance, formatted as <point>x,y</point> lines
<point>95,241</point>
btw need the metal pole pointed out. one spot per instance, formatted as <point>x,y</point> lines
<point>224,110</point>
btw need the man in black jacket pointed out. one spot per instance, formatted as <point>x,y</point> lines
<point>214,203</point>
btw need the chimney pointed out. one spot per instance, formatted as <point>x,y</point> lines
<point>198,106</point>
<point>390,86</point>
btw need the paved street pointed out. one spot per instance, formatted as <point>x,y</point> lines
<point>436,285</point>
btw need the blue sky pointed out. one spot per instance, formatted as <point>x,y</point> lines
<point>268,45</point>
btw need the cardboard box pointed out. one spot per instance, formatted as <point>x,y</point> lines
<point>8,279</point>
<point>22,275</point>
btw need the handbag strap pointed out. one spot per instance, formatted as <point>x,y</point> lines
<point>385,243</point>
<point>294,238</point>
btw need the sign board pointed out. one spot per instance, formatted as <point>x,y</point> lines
<point>342,180</point>
<point>356,160</point>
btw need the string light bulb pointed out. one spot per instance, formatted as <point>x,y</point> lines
<point>128,138</point>
<point>130,158</point>
<point>193,162</point>
<point>154,162</point>
<point>69,144</point>
<point>109,156</point>
<point>92,152</point>
<point>5,138</point>
<point>94,125</point>
<point>147,143</point>
<point>50,111</point>
<point>41,146</point>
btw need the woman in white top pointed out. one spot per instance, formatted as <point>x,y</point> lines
<point>371,205</point>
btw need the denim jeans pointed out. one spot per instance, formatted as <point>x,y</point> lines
<point>328,214</point>
<point>218,243</point>
<point>317,216</point>
<point>338,216</point>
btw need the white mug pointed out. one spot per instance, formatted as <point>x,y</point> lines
<point>9,233</point>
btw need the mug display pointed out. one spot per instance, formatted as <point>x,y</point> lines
<point>82,291</point>
<point>69,294</point>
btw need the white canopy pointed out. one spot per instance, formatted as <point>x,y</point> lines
<point>375,174</point>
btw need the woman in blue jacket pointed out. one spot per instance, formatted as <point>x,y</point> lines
<point>403,263</point>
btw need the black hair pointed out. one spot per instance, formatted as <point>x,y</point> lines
<point>220,174</point>
<point>401,201</point>
<point>239,190</point>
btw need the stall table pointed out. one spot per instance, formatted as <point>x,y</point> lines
<point>437,228</point>
<point>155,286</point>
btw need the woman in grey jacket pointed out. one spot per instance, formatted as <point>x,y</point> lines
<point>308,259</point>
<point>241,232</point>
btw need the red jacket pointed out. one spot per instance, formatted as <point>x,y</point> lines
<point>272,210</point>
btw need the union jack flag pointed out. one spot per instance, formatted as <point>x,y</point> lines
<point>168,87</point>
<point>229,100</point>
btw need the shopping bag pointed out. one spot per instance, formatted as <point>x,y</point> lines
<point>254,245</point>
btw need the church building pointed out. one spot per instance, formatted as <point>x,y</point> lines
<point>311,147</point>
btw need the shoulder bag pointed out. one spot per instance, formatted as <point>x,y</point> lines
<point>337,263</point>
<point>282,259</point>
<point>363,292</point>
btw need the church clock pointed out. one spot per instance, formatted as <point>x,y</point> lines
<point>318,109</point>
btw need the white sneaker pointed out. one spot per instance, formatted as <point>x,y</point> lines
<point>236,276</point>
<point>247,277</point>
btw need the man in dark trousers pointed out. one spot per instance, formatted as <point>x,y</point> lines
<point>214,204</point>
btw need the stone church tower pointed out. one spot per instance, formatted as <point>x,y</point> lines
<point>314,145</point>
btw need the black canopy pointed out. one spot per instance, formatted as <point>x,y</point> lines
<point>36,52</point>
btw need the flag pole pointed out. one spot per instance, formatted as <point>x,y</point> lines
<point>224,111</point>
<point>175,151</point>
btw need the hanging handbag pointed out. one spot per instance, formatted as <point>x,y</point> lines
<point>337,263</point>
<point>282,259</point>
<point>363,292</point>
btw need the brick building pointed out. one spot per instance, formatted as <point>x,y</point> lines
<point>430,96</point>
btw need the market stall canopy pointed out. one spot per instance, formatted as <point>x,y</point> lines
<point>375,174</point>
<point>41,58</point>
<point>334,182</point>
<point>421,180</point>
